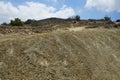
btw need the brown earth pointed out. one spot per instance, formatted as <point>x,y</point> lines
<point>62,54</point>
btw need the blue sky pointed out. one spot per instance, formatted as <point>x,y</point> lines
<point>40,9</point>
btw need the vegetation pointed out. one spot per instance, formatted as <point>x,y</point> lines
<point>96,19</point>
<point>118,20</point>
<point>17,22</point>
<point>4,24</point>
<point>76,17</point>
<point>107,18</point>
<point>29,21</point>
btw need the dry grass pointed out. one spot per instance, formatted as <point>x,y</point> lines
<point>89,54</point>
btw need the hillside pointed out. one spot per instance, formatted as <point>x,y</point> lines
<point>71,54</point>
<point>63,23</point>
<point>51,24</point>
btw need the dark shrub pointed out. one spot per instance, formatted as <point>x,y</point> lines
<point>16,22</point>
<point>117,26</point>
<point>118,20</point>
<point>77,18</point>
<point>4,24</point>
<point>106,18</point>
<point>29,21</point>
<point>92,20</point>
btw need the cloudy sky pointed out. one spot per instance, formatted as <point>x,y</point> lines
<point>40,9</point>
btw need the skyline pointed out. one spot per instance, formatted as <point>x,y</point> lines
<point>41,9</point>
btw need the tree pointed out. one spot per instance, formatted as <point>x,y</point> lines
<point>106,18</point>
<point>16,22</point>
<point>77,18</point>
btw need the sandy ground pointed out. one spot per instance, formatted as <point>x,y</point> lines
<point>76,29</point>
<point>74,54</point>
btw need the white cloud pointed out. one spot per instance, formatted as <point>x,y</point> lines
<point>32,10</point>
<point>104,5</point>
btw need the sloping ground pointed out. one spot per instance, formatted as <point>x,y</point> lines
<point>76,28</point>
<point>63,23</point>
<point>92,54</point>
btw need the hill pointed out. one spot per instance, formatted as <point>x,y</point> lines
<point>50,24</point>
<point>72,54</point>
<point>62,23</point>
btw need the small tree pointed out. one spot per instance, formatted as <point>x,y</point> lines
<point>16,22</point>
<point>106,18</point>
<point>12,23</point>
<point>77,18</point>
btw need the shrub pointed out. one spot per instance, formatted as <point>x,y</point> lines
<point>29,21</point>
<point>91,19</point>
<point>117,26</point>
<point>4,24</point>
<point>106,18</point>
<point>16,22</point>
<point>77,18</point>
<point>118,20</point>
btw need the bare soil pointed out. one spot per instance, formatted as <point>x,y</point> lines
<point>71,54</point>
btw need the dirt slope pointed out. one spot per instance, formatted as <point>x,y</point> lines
<point>61,55</point>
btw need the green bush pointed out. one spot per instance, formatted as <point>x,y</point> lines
<point>29,21</point>
<point>77,18</point>
<point>4,24</point>
<point>17,22</point>
<point>106,18</point>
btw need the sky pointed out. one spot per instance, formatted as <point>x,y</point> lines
<point>41,9</point>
